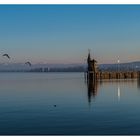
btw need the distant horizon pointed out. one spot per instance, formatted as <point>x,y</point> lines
<point>57,64</point>
<point>62,34</point>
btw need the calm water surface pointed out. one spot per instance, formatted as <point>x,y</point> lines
<point>101,108</point>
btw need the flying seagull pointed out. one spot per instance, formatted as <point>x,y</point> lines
<point>28,63</point>
<point>6,55</point>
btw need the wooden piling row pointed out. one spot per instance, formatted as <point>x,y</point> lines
<point>113,75</point>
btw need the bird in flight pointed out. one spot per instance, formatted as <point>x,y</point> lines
<point>6,55</point>
<point>28,63</point>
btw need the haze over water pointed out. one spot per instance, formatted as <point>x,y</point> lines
<point>63,104</point>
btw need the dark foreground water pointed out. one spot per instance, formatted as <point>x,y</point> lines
<point>64,104</point>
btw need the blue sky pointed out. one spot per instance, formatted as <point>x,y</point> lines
<point>64,33</point>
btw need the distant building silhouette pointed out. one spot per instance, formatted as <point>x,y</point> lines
<point>92,68</point>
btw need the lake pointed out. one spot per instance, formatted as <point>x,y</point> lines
<point>65,104</point>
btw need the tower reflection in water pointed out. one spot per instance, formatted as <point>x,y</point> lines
<point>92,86</point>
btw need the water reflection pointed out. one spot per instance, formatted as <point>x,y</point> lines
<point>138,83</point>
<point>92,86</point>
<point>28,100</point>
<point>119,93</point>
